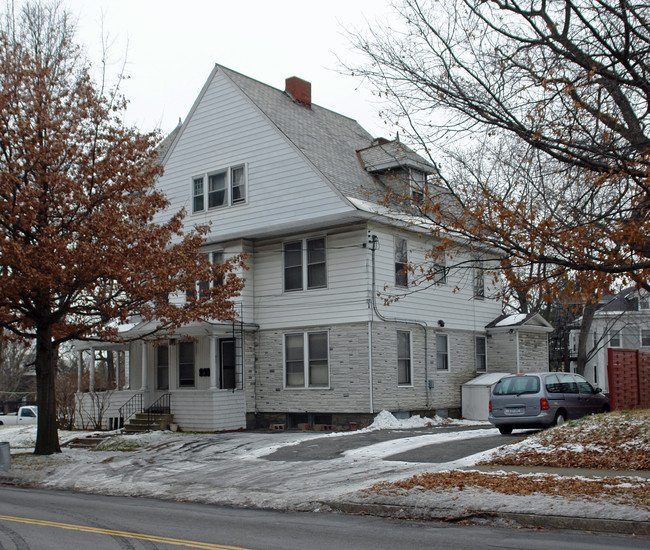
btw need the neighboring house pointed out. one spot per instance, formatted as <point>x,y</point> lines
<point>621,321</point>
<point>292,185</point>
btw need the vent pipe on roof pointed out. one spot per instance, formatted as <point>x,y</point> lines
<point>298,89</point>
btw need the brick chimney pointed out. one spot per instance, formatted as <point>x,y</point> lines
<point>298,89</point>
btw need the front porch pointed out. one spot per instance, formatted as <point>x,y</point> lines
<point>196,376</point>
<point>198,410</point>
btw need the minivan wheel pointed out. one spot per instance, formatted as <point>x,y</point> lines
<point>560,418</point>
<point>505,430</point>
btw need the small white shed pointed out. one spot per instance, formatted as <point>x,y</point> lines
<point>476,395</point>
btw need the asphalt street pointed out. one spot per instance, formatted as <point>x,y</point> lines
<point>32,519</point>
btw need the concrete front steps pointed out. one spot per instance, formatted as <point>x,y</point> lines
<point>145,422</point>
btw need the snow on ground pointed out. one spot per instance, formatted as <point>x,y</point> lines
<point>231,468</point>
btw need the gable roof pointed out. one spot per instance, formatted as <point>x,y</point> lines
<point>527,321</point>
<point>329,140</point>
<point>386,155</point>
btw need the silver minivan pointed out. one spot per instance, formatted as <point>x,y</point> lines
<point>540,400</point>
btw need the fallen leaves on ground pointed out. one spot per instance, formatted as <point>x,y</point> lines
<point>612,441</point>
<point>631,491</point>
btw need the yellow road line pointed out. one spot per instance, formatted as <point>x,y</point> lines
<point>126,534</point>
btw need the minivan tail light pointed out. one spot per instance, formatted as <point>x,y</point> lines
<point>543,404</point>
<point>490,405</point>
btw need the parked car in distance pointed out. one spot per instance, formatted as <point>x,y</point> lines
<point>540,400</point>
<point>25,415</point>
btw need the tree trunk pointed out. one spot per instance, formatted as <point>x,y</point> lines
<point>585,331</point>
<point>47,436</point>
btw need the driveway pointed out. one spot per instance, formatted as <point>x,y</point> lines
<point>290,470</point>
<point>472,440</point>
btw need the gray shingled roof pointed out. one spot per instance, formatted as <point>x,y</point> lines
<point>329,140</point>
<point>385,155</point>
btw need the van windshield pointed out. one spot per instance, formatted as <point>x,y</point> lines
<point>516,385</point>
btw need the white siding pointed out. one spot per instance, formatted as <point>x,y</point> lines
<point>453,302</point>
<point>225,129</point>
<point>344,300</point>
<point>209,411</point>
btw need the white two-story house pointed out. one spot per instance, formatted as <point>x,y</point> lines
<point>291,184</point>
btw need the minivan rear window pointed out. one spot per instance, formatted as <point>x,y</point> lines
<point>517,385</point>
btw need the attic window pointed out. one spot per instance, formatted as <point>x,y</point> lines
<point>417,185</point>
<point>225,187</point>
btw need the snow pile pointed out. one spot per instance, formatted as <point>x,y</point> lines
<point>21,438</point>
<point>387,421</point>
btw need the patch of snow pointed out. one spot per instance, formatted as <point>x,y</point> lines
<point>512,320</point>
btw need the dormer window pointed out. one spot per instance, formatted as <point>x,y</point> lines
<point>225,187</point>
<point>417,185</point>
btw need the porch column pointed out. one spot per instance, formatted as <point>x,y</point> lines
<point>91,382</point>
<point>213,362</point>
<point>127,370</point>
<point>116,362</point>
<point>79,369</point>
<point>145,367</point>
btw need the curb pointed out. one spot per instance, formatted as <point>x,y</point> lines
<point>623,527</point>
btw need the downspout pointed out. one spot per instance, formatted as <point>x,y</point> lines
<point>374,245</point>
<point>517,349</point>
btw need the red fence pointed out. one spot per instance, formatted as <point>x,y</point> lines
<point>628,373</point>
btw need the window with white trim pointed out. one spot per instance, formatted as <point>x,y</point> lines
<point>615,339</point>
<point>418,185</point>
<point>481,353</point>
<point>225,187</point>
<point>217,190</point>
<point>203,286</point>
<point>162,367</point>
<point>479,282</point>
<point>404,362</point>
<point>198,199</point>
<point>306,359</point>
<point>439,271</point>
<point>401,262</point>
<point>186,374</point>
<point>305,264</point>
<point>645,337</point>
<point>442,351</point>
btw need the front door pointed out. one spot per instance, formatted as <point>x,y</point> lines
<point>228,378</point>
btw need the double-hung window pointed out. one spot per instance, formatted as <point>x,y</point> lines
<point>237,185</point>
<point>403,358</point>
<point>225,187</point>
<point>186,365</point>
<point>442,352</point>
<point>401,261</point>
<point>204,286</point>
<point>481,354</point>
<point>162,367</point>
<point>217,190</point>
<point>439,271</point>
<point>479,282</point>
<point>645,338</point>
<point>198,202</point>
<point>418,185</point>
<point>305,264</point>
<point>306,357</point>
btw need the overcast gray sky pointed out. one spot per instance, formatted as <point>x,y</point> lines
<point>173,46</point>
